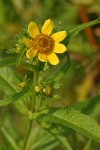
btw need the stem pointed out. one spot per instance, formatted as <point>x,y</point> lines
<point>87,144</point>
<point>27,136</point>
<point>75,141</point>
<point>34,93</point>
<point>32,110</point>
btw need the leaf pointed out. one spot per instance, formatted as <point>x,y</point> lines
<point>5,121</point>
<point>7,80</point>
<point>73,119</point>
<point>47,143</point>
<point>88,105</point>
<point>64,143</point>
<point>15,97</point>
<point>10,139</point>
<point>41,140</point>
<point>57,75</point>
<point>76,30</point>
<point>20,55</point>
<point>8,62</point>
<point>61,139</point>
<point>8,130</point>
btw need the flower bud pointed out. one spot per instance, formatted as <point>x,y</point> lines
<point>18,49</point>
<point>37,88</point>
<point>22,84</point>
<point>48,90</point>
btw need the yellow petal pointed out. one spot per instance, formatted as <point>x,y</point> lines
<point>47,27</point>
<point>59,36</point>
<point>42,57</point>
<point>53,59</point>
<point>33,29</point>
<point>59,48</point>
<point>31,53</point>
<point>28,42</point>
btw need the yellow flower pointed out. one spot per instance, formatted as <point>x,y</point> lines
<point>43,43</point>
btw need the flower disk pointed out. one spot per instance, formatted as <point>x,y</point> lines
<point>43,43</point>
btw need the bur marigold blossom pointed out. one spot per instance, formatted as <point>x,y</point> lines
<point>43,44</point>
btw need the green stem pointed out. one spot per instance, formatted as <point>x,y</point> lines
<point>75,141</point>
<point>87,144</point>
<point>32,109</point>
<point>27,136</point>
<point>34,93</point>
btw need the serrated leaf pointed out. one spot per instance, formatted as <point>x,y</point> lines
<point>15,97</point>
<point>73,119</point>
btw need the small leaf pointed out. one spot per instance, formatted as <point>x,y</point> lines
<point>60,73</point>
<point>15,97</point>
<point>73,119</point>
<point>20,55</point>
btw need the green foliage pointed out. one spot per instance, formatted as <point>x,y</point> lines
<point>9,138</point>
<point>88,105</point>
<point>61,71</point>
<point>8,62</point>
<point>77,29</point>
<point>49,127</point>
<point>15,97</point>
<point>73,119</point>
<point>8,80</point>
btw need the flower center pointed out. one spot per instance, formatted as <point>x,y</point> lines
<point>43,43</point>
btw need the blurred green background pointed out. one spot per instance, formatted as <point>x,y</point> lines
<point>83,78</point>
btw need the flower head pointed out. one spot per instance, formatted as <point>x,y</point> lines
<point>43,43</point>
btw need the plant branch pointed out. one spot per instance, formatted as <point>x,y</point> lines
<point>32,109</point>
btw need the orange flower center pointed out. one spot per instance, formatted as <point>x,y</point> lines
<point>43,43</point>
